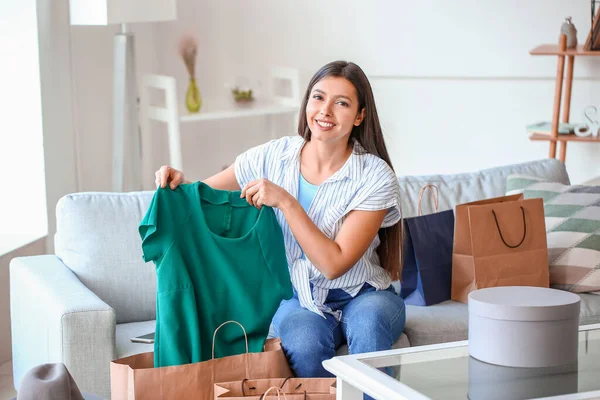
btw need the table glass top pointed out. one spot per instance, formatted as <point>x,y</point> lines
<point>450,373</point>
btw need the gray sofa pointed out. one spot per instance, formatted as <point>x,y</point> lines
<point>82,305</point>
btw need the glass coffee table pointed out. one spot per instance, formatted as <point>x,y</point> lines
<point>446,371</point>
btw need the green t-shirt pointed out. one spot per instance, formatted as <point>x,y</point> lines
<point>217,259</point>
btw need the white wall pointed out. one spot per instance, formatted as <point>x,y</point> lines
<point>60,144</point>
<point>92,63</point>
<point>454,82</point>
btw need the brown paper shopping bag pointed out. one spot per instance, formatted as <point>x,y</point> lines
<point>499,242</point>
<point>135,378</point>
<point>291,388</point>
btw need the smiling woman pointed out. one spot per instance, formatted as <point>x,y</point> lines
<point>336,198</point>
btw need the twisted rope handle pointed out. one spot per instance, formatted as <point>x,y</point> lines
<point>524,230</point>
<point>278,391</point>
<point>434,196</point>
<point>219,327</point>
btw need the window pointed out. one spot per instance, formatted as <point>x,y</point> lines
<point>23,215</point>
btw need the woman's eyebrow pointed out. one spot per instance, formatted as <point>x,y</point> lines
<point>338,96</point>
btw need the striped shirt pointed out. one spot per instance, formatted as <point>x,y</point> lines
<point>365,182</point>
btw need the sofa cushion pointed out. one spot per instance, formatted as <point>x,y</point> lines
<point>443,322</point>
<point>463,188</point>
<point>573,230</point>
<point>97,238</point>
<point>590,309</point>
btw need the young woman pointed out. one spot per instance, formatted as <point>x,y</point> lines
<point>336,197</point>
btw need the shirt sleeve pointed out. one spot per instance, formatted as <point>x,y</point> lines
<point>159,225</point>
<point>260,161</point>
<point>383,193</point>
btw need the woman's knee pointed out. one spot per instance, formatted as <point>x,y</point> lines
<point>381,311</point>
<point>303,332</point>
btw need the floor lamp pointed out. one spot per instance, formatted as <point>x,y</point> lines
<point>125,93</point>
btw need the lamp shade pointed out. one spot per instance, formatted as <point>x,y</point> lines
<point>107,12</point>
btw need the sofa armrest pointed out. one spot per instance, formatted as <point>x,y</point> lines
<point>55,318</point>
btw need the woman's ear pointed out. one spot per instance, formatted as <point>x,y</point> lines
<point>359,117</point>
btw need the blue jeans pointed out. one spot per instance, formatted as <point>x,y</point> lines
<point>371,321</point>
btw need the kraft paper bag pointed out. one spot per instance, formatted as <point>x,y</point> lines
<point>289,389</point>
<point>136,378</point>
<point>499,242</point>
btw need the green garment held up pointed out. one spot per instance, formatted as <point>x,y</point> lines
<point>217,259</point>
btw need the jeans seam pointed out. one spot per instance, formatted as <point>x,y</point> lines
<point>402,311</point>
<point>332,336</point>
<point>335,326</point>
<point>348,335</point>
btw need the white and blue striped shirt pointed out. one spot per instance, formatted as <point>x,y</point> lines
<point>365,182</point>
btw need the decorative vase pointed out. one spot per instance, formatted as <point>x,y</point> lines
<point>570,31</point>
<point>193,101</point>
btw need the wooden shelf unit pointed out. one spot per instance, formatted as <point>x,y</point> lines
<point>564,138</point>
<point>553,50</point>
<point>565,56</point>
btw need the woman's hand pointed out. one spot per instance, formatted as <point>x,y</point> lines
<point>263,192</point>
<point>169,175</point>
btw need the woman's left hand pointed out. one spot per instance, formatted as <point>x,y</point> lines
<point>263,192</point>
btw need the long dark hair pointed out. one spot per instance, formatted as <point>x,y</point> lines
<point>370,136</point>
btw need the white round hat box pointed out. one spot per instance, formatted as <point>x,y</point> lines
<point>523,326</point>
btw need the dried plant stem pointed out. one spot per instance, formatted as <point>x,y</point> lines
<point>188,48</point>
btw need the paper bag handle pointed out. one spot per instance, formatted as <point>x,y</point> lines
<point>434,196</point>
<point>284,381</point>
<point>253,388</point>
<point>524,230</point>
<point>243,387</point>
<point>277,390</point>
<point>219,327</point>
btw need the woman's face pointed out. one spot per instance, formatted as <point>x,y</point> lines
<point>332,109</point>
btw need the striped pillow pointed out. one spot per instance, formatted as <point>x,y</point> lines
<point>573,230</point>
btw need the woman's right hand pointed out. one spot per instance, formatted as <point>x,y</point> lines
<point>168,175</point>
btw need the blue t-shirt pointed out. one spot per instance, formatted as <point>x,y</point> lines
<point>306,193</point>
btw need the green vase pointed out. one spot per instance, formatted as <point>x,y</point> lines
<point>193,101</point>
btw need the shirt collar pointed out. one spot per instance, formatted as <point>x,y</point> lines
<point>352,169</point>
<point>293,150</point>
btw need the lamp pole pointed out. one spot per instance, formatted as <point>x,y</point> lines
<point>126,133</point>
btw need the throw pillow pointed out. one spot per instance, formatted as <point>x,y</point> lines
<point>572,214</point>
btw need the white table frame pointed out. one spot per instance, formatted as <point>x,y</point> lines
<point>355,377</point>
